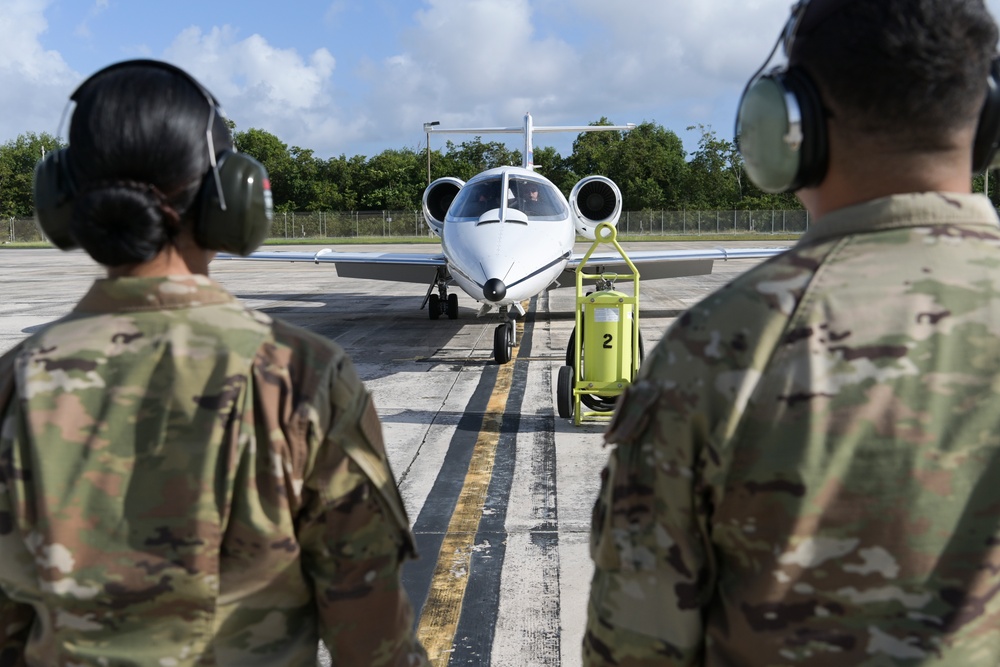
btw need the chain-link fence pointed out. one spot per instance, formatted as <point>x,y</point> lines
<point>309,225</point>
<point>665,223</point>
<point>21,230</point>
<point>348,224</point>
<point>398,224</point>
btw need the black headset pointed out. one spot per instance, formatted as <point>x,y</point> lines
<point>234,203</point>
<point>781,123</point>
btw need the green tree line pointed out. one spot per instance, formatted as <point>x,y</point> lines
<point>649,164</point>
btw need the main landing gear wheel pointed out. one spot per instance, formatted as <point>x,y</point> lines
<point>441,302</point>
<point>596,403</point>
<point>564,392</point>
<point>503,342</point>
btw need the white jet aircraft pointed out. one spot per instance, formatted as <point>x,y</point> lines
<point>507,235</point>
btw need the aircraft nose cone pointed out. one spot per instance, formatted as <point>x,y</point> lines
<point>494,289</point>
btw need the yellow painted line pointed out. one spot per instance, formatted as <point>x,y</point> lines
<point>441,612</point>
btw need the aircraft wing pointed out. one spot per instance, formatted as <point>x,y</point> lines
<point>656,264</point>
<point>405,267</point>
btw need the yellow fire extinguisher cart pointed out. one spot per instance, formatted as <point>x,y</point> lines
<point>604,353</point>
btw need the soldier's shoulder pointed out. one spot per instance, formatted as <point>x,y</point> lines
<point>773,285</point>
<point>730,322</point>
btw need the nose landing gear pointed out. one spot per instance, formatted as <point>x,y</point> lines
<point>504,338</point>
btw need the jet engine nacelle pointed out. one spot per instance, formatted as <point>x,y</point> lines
<point>595,199</point>
<point>437,198</point>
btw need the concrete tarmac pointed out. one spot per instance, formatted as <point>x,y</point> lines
<point>498,488</point>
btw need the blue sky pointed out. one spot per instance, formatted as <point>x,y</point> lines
<point>356,77</point>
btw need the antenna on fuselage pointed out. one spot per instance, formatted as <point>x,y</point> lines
<point>528,129</point>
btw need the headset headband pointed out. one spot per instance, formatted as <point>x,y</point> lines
<point>787,147</point>
<point>145,62</point>
<point>796,24</point>
<point>807,15</point>
<point>213,105</point>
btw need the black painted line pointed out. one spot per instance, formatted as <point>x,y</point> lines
<point>481,604</point>
<point>432,522</point>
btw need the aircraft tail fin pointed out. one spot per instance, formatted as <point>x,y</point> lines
<point>527,130</point>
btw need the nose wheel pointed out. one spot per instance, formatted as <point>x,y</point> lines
<point>504,338</point>
<point>503,342</point>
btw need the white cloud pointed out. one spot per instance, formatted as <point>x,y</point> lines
<point>35,82</point>
<point>462,62</point>
<point>260,85</point>
<point>478,62</point>
<point>486,62</point>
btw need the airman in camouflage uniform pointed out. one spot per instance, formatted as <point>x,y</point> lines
<point>805,471</point>
<point>795,482</point>
<point>189,482</point>
<point>185,481</point>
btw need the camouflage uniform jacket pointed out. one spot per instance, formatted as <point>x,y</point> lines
<point>184,481</point>
<point>807,469</point>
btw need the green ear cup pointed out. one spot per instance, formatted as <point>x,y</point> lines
<point>245,221</point>
<point>53,192</point>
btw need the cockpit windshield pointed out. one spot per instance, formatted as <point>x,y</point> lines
<point>537,199</point>
<point>477,198</point>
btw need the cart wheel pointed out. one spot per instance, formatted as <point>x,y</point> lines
<point>598,403</point>
<point>642,354</point>
<point>564,392</point>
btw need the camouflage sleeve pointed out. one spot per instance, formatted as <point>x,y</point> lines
<point>355,536</point>
<point>651,563</point>
<point>15,618</point>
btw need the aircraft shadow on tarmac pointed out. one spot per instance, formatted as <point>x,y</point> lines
<point>345,306</point>
<point>369,328</point>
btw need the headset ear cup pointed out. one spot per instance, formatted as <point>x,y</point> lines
<point>984,146</point>
<point>246,220</point>
<point>53,192</point>
<point>781,132</point>
<point>815,147</point>
<point>762,134</point>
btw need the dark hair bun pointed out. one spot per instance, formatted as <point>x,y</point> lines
<point>122,222</point>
